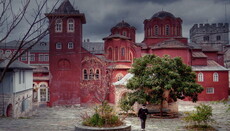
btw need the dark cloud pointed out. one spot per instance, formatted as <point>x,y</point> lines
<point>152,1</point>
<point>102,15</point>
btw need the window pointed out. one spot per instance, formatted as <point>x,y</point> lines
<point>156,30</point>
<point>43,57</point>
<point>85,74</point>
<point>58,45</point>
<point>8,53</point>
<point>167,31</point>
<point>32,57</point>
<point>70,25</point>
<point>24,57</point>
<point>46,57</point>
<point>124,33</point>
<point>122,51</point>
<point>43,94</point>
<point>1,51</point>
<point>70,45</point>
<point>218,37</point>
<point>215,77</point>
<point>149,32</point>
<point>58,25</point>
<point>91,74</point>
<point>200,77</point>
<point>210,90</point>
<point>206,38</point>
<point>110,53</point>
<point>97,74</point>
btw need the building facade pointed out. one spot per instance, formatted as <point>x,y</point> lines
<point>84,72</point>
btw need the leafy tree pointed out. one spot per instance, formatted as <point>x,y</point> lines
<point>153,76</point>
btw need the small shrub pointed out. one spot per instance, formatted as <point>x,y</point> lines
<point>201,117</point>
<point>103,117</point>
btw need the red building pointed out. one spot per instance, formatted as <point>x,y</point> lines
<point>68,71</point>
<point>80,71</point>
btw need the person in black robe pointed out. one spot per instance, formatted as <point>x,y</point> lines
<point>142,114</point>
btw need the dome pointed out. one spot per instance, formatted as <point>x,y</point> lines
<point>123,24</point>
<point>162,14</point>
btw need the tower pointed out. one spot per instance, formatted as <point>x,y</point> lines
<point>65,54</point>
<point>162,26</point>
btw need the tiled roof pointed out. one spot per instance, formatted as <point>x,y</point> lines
<point>66,8</point>
<point>163,14</point>
<point>94,47</point>
<point>15,65</point>
<point>41,69</point>
<point>198,55</point>
<point>41,46</point>
<point>211,66</point>
<point>142,45</point>
<point>172,43</point>
<point>117,36</point>
<point>194,45</point>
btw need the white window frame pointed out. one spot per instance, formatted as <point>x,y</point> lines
<point>58,45</point>
<point>85,74</point>
<point>97,74</point>
<point>156,30</point>
<point>32,57</point>
<point>122,51</point>
<point>58,25</point>
<point>24,57</point>
<point>70,45</point>
<point>200,77</point>
<point>70,27</point>
<point>46,57</point>
<point>41,57</point>
<point>210,90</point>
<point>215,77</point>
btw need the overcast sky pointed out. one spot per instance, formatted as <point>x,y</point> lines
<point>102,15</point>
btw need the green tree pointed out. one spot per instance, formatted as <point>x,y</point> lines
<point>153,76</point>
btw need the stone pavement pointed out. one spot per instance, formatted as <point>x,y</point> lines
<point>64,119</point>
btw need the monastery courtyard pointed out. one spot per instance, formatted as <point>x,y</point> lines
<point>64,118</point>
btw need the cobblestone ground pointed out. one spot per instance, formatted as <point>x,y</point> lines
<point>64,119</point>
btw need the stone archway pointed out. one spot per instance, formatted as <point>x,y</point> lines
<point>9,110</point>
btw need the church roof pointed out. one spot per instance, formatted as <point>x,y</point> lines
<point>123,24</point>
<point>162,14</point>
<point>172,43</point>
<point>67,8</point>
<point>211,66</point>
<point>94,47</point>
<point>119,66</point>
<point>117,36</point>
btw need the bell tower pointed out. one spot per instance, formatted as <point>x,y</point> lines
<point>65,54</point>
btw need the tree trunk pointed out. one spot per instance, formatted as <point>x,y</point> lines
<point>161,107</point>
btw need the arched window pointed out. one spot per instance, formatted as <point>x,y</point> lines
<point>70,25</point>
<point>124,33</point>
<point>110,53</point>
<point>156,30</point>
<point>122,51</point>
<point>58,25</point>
<point>149,32</point>
<point>200,77</point>
<point>85,74</point>
<point>215,77</point>
<point>167,30</point>
<point>91,75</point>
<point>97,74</point>
<point>70,45</point>
<point>58,45</point>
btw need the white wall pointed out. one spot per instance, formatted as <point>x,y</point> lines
<point>24,82</point>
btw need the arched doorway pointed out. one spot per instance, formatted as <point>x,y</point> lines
<point>9,110</point>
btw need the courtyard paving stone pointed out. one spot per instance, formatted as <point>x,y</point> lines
<point>64,119</point>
